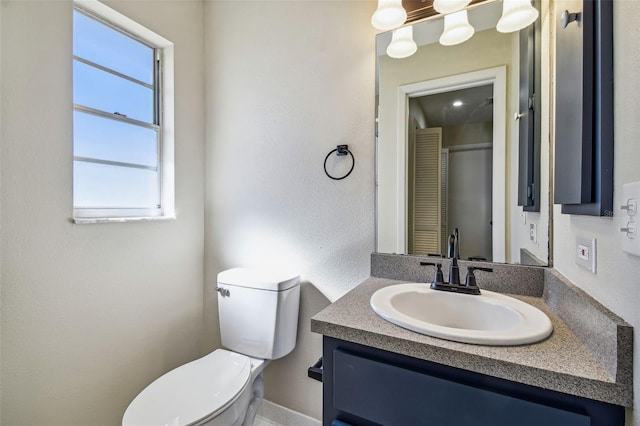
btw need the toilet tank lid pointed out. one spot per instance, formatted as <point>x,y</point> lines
<point>263,279</point>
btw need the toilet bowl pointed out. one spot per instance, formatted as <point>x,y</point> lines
<point>215,390</point>
<point>258,320</point>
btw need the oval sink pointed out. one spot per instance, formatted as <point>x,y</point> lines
<point>488,319</point>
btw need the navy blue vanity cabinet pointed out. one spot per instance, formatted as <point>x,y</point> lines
<point>365,386</point>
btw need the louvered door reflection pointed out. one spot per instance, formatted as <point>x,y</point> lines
<point>426,194</point>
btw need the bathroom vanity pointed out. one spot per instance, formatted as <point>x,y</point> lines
<point>376,373</point>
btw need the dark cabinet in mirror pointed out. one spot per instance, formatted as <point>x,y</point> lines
<point>529,118</point>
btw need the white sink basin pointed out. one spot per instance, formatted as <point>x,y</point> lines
<point>488,319</point>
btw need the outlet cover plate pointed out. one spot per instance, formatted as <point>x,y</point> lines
<point>533,233</point>
<point>631,195</point>
<point>586,253</point>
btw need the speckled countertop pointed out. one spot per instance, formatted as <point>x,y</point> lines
<point>562,362</point>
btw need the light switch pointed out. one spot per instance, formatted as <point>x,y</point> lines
<point>630,233</point>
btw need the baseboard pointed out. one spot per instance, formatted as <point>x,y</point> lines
<point>283,416</point>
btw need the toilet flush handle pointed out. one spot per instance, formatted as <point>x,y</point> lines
<point>224,292</point>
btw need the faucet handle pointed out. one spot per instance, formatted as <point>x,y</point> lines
<point>438,277</point>
<point>471,277</point>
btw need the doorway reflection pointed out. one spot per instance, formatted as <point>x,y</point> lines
<point>450,146</point>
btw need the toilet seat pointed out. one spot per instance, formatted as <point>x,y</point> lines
<point>192,392</point>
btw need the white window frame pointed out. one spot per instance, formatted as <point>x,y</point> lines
<point>165,111</point>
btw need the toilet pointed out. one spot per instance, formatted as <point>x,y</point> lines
<point>258,312</point>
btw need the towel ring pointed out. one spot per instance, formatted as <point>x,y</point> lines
<point>341,150</point>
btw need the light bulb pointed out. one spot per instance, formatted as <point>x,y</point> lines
<point>456,29</point>
<point>516,15</point>
<point>450,6</point>
<point>402,44</point>
<point>389,15</point>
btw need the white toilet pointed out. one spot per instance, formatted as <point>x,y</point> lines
<point>258,313</point>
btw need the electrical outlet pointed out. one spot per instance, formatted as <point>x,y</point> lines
<point>630,228</point>
<point>586,253</point>
<point>583,252</point>
<point>533,232</point>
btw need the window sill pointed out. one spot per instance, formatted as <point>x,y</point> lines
<point>95,220</point>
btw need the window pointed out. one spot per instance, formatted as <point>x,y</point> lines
<point>121,155</point>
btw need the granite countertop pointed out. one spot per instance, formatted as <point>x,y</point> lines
<point>561,362</point>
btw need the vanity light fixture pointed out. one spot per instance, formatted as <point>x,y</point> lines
<point>456,29</point>
<point>516,15</point>
<point>389,15</point>
<point>402,44</point>
<point>450,6</point>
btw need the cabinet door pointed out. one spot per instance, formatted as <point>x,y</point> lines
<point>583,154</point>
<point>425,191</point>
<point>574,104</point>
<point>395,396</point>
<point>529,117</point>
<point>364,386</point>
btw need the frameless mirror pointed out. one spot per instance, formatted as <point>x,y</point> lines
<point>448,145</point>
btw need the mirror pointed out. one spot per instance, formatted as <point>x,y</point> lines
<point>448,146</point>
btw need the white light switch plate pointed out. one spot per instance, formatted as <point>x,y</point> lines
<point>586,253</point>
<point>630,218</point>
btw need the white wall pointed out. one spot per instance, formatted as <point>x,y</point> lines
<point>1,7</point>
<point>90,313</point>
<point>287,82</point>
<point>617,282</point>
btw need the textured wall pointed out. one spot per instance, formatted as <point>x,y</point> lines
<point>286,83</point>
<point>90,313</point>
<point>617,282</point>
<point>1,7</point>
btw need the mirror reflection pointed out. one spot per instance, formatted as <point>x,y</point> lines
<point>450,149</point>
<point>447,146</point>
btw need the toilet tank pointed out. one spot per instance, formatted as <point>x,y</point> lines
<point>258,311</point>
